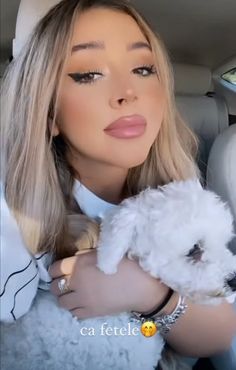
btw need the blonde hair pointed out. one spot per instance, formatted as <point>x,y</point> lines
<point>38,180</point>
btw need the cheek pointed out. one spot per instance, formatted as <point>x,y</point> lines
<point>156,101</point>
<point>73,108</point>
<point>77,115</point>
<point>155,105</point>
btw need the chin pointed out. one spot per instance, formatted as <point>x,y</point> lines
<point>132,162</point>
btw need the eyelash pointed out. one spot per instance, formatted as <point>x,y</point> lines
<point>79,77</point>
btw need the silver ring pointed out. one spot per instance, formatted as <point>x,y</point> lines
<point>63,286</point>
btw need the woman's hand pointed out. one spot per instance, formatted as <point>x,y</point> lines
<point>92,293</point>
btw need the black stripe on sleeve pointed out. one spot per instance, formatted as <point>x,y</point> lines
<point>12,313</point>
<point>38,258</point>
<point>14,273</point>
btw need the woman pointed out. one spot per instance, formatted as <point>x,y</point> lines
<point>87,64</point>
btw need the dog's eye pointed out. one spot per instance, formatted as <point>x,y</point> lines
<point>196,252</point>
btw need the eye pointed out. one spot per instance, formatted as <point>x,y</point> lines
<point>85,78</point>
<point>145,70</point>
<point>196,252</point>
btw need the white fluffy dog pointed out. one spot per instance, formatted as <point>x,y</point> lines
<point>178,233</point>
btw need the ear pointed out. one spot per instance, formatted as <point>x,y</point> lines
<point>53,128</point>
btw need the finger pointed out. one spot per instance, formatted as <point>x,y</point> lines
<point>81,313</point>
<point>69,301</point>
<point>84,251</point>
<point>54,286</point>
<point>62,267</point>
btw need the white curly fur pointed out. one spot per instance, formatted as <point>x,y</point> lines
<point>49,338</point>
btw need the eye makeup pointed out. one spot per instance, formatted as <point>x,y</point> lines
<point>92,76</point>
<point>85,77</point>
<point>145,70</point>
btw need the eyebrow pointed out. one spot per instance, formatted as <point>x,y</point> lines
<point>139,45</point>
<point>99,45</point>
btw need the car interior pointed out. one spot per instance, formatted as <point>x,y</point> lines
<point>200,38</point>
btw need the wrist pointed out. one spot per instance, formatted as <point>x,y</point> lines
<point>158,299</point>
<point>166,317</point>
<point>171,304</point>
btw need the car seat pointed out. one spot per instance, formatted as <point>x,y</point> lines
<point>29,13</point>
<point>205,113</point>
<point>221,170</point>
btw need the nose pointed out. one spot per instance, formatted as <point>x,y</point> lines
<point>232,283</point>
<point>126,97</point>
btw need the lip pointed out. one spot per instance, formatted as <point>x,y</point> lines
<point>127,127</point>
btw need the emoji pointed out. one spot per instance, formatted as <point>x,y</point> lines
<point>148,328</point>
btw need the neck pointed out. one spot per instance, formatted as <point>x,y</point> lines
<point>104,180</point>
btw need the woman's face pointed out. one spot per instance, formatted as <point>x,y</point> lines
<point>112,77</point>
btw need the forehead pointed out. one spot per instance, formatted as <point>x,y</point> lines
<point>109,26</point>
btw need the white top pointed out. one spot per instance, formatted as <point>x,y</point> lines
<point>21,273</point>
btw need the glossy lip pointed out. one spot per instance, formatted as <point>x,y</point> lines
<point>127,127</point>
<point>127,121</point>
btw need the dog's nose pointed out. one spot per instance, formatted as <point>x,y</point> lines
<point>196,252</point>
<point>232,283</point>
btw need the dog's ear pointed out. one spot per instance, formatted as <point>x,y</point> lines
<point>196,252</point>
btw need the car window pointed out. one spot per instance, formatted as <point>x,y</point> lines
<point>230,76</point>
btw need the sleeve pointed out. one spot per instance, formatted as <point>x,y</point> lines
<point>19,270</point>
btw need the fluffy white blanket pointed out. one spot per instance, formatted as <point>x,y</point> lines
<point>49,338</point>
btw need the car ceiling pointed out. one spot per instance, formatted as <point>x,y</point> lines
<point>195,32</point>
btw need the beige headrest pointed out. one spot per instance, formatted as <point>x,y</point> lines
<point>191,79</point>
<point>29,14</point>
<point>221,170</point>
